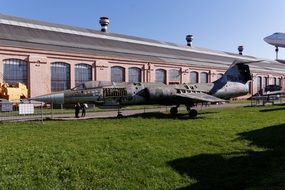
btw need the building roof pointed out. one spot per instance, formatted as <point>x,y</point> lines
<point>26,33</point>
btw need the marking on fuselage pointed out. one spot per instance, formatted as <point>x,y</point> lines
<point>114,92</point>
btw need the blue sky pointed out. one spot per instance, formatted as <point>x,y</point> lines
<point>215,24</point>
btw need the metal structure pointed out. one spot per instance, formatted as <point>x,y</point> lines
<point>116,95</point>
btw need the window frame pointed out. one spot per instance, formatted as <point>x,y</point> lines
<point>15,70</point>
<point>160,73</point>
<point>59,80</point>
<point>83,73</point>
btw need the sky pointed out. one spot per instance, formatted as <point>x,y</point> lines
<point>215,24</point>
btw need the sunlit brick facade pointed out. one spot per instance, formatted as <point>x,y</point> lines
<point>48,57</point>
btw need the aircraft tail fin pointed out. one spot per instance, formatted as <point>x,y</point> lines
<point>237,72</point>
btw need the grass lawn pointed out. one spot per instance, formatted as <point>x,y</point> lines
<point>230,148</point>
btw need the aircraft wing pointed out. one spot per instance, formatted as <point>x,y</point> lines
<point>199,97</point>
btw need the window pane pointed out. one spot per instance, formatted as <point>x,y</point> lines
<point>193,77</point>
<point>265,82</point>
<point>274,81</point>
<point>15,70</point>
<point>117,74</point>
<point>250,87</point>
<point>83,73</point>
<point>134,74</point>
<point>174,75</point>
<point>258,84</point>
<point>279,81</point>
<point>204,77</point>
<point>60,76</point>
<point>160,76</point>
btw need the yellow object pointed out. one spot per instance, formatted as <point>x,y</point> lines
<point>13,92</point>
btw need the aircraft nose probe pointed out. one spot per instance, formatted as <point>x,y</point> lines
<point>56,98</point>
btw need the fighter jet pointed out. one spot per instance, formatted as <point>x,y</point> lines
<point>116,95</point>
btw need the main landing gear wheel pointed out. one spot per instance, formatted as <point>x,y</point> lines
<point>192,113</point>
<point>173,111</point>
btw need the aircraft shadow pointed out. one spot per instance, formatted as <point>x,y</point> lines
<point>240,170</point>
<point>207,112</point>
<point>160,115</point>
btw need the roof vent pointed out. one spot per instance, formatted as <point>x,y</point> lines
<point>104,22</point>
<point>189,39</point>
<point>240,50</point>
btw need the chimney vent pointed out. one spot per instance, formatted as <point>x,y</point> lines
<point>189,39</point>
<point>104,22</point>
<point>240,49</point>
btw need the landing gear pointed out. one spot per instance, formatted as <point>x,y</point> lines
<point>174,111</point>
<point>192,113</point>
<point>119,115</point>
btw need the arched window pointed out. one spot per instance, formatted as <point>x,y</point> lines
<point>219,75</point>
<point>15,70</point>
<point>265,83</point>
<point>60,76</point>
<point>174,76</point>
<point>258,84</point>
<point>249,87</point>
<point>279,81</point>
<point>204,77</point>
<point>134,74</point>
<point>83,73</point>
<point>160,75</point>
<point>193,77</point>
<point>117,74</point>
<point>274,80</point>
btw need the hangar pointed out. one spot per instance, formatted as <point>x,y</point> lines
<point>52,57</point>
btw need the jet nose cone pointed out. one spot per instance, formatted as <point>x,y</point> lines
<point>269,39</point>
<point>55,98</point>
<point>266,39</point>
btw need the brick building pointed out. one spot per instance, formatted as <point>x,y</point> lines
<point>51,57</point>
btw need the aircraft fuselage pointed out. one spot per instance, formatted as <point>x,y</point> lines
<point>109,95</point>
<point>125,94</point>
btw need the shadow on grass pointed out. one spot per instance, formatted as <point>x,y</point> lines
<point>160,115</point>
<point>207,113</point>
<point>273,109</point>
<point>260,105</point>
<point>244,170</point>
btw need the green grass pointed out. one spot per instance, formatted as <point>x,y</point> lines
<point>231,148</point>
